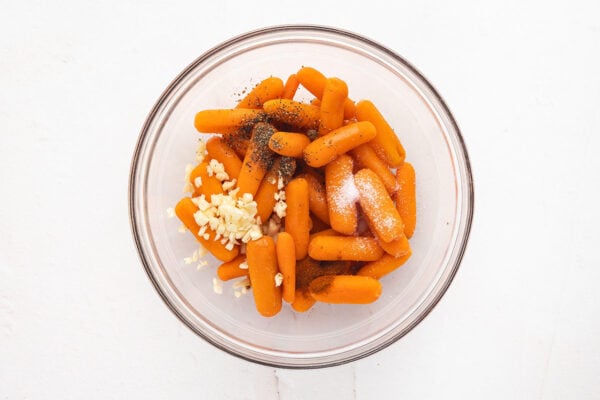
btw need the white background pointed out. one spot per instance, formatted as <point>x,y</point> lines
<point>78,317</point>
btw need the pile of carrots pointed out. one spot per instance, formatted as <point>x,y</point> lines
<point>350,195</point>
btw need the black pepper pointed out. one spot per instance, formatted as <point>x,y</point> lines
<point>262,154</point>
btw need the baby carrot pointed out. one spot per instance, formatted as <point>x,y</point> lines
<point>366,157</point>
<point>209,185</point>
<point>218,150</point>
<point>383,266</point>
<point>378,206</point>
<point>268,89</point>
<point>332,105</point>
<point>303,301</point>
<point>265,195</point>
<point>397,247</point>
<point>341,195</point>
<point>317,199</point>
<point>258,159</point>
<point>326,148</point>
<point>386,144</point>
<point>345,289</point>
<point>283,167</point>
<point>289,144</point>
<point>224,121</point>
<point>291,85</point>
<point>293,113</point>
<point>297,219</point>
<point>262,268</point>
<point>406,198</point>
<point>185,210</point>
<point>314,81</point>
<point>286,259</point>
<point>231,269</point>
<point>351,248</point>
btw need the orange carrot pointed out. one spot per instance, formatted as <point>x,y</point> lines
<point>286,259</point>
<point>406,197</point>
<point>218,150</point>
<point>366,157</point>
<point>351,248</point>
<point>317,199</point>
<point>292,112</point>
<point>283,168</point>
<point>397,247</point>
<point>315,102</point>
<point>386,144</point>
<point>291,85</point>
<point>341,195</point>
<point>345,289</point>
<point>185,210</point>
<point>378,206</point>
<point>268,89</point>
<point>262,268</point>
<point>349,109</point>
<point>297,219</point>
<point>314,81</point>
<point>258,159</point>
<point>225,121</point>
<point>265,195</point>
<point>231,269</point>
<point>209,185</point>
<point>326,148</point>
<point>303,301</point>
<point>332,105</point>
<point>383,266</point>
<point>289,144</point>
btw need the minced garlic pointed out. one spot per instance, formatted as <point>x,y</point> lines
<point>280,206</point>
<point>217,286</point>
<point>232,219</point>
<point>217,169</point>
<point>278,279</point>
<point>200,151</point>
<point>188,187</point>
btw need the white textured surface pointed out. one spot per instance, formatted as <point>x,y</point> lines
<point>79,319</point>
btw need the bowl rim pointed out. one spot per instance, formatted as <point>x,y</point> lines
<point>470,196</point>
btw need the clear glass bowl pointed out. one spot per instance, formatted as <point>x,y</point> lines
<point>327,334</point>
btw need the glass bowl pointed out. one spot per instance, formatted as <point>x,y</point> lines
<point>327,334</point>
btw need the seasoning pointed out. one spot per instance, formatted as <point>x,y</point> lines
<point>262,154</point>
<point>312,134</point>
<point>322,285</point>
<point>308,269</point>
<point>287,167</point>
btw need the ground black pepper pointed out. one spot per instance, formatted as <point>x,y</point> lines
<point>262,154</point>
<point>312,134</point>
<point>308,269</point>
<point>287,167</point>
